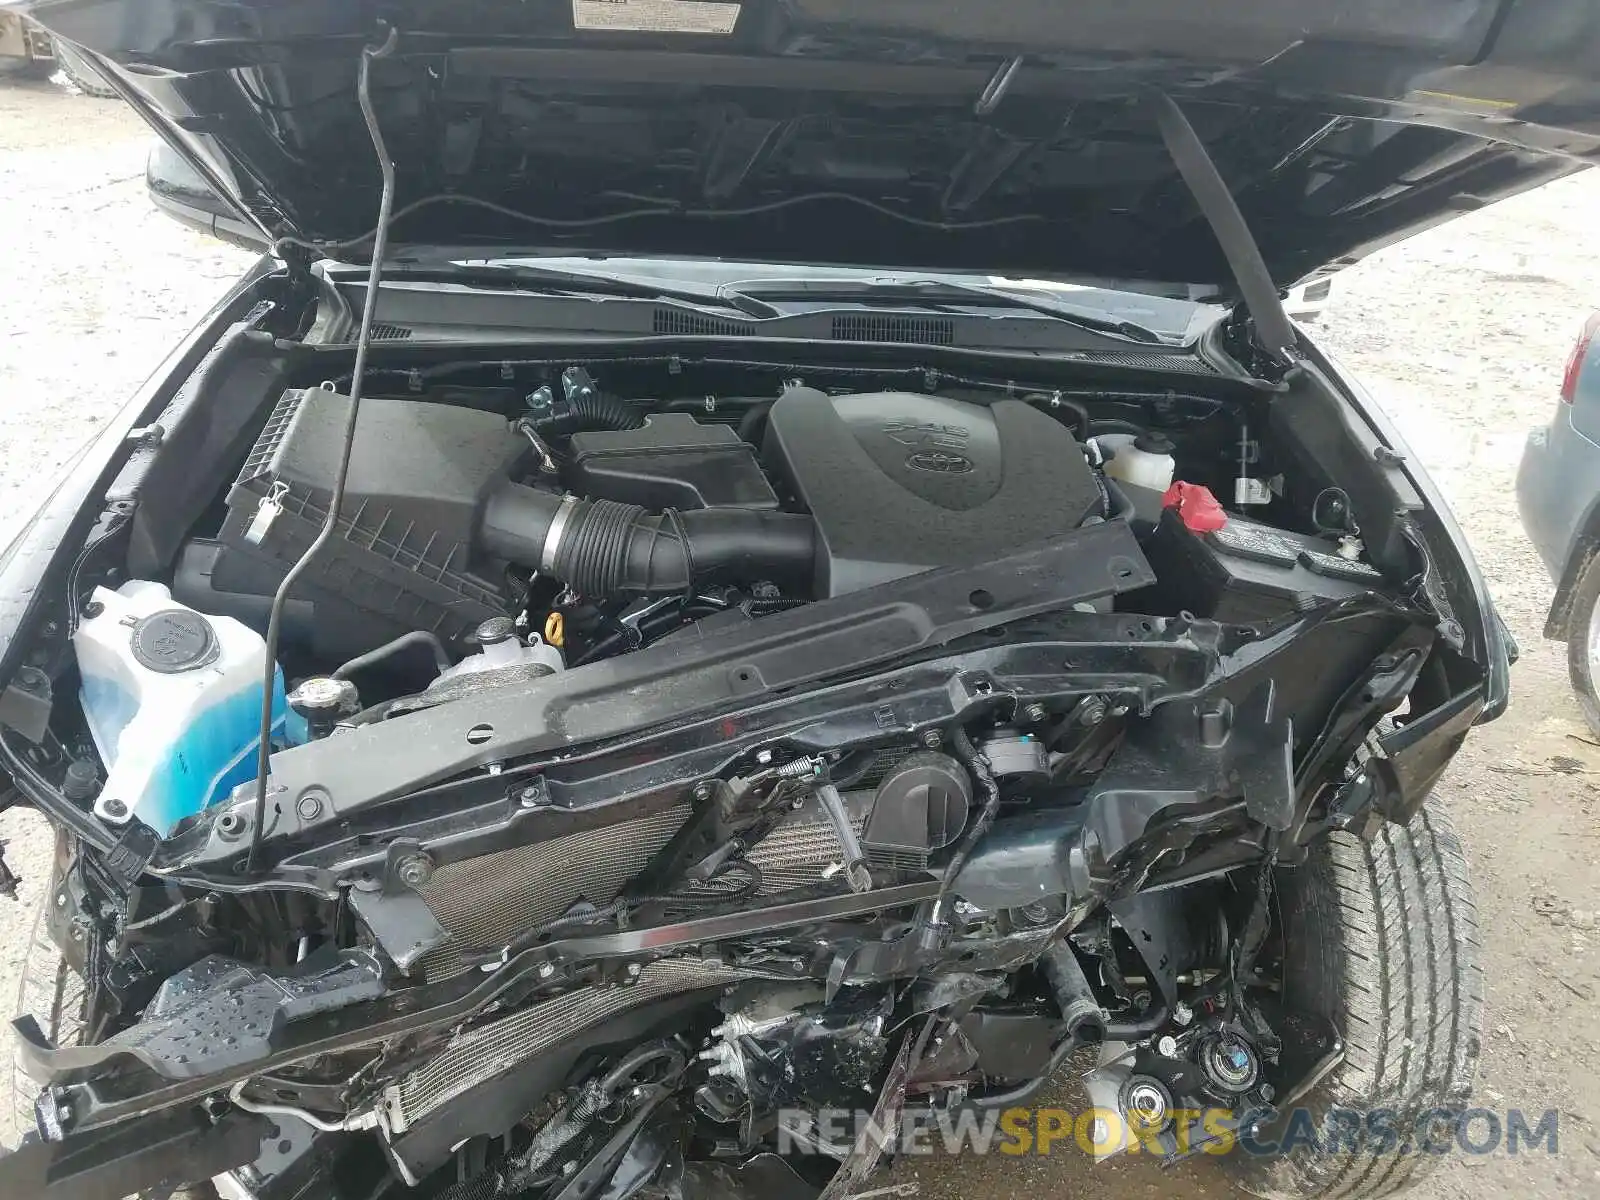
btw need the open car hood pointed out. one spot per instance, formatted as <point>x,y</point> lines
<point>1011,137</point>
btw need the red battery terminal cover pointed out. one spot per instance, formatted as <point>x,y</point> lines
<point>1197,507</point>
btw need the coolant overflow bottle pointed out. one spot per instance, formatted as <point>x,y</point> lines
<point>1145,461</point>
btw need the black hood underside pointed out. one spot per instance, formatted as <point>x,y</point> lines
<point>1012,138</point>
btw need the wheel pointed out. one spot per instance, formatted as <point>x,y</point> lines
<point>52,994</point>
<point>1382,939</point>
<point>1583,643</point>
<point>79,72</point>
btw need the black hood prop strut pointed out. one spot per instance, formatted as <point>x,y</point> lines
<point>1274,331</point>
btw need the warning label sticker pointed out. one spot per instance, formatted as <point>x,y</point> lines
<point>655,16</point>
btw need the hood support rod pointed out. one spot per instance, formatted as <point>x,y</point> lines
<point>1274,331</point>
<point>341,475</point>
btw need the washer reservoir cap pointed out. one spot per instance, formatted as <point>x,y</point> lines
<point>173,640</point>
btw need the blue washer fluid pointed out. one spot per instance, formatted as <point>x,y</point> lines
<point>173,701</point>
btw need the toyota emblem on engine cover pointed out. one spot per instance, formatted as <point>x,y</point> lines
<point>939,462</point>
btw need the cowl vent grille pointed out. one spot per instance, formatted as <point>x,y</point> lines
<point>1147,360</point>
<point>677,321</point>
<point>889,327</point>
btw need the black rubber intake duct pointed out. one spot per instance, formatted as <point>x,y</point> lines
<point>602,548</point>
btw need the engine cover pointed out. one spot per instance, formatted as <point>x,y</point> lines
<point>899,482</point>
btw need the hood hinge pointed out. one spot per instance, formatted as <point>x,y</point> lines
<point>1260,304</point>
<point>298,259</point>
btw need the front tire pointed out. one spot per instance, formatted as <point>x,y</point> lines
<point>1382,939</point>
<point>52,993</point>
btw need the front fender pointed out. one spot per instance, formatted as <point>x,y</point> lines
<point>33,568</point>
<point>1485,639</point>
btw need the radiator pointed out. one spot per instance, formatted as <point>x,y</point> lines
<point>486,901</point>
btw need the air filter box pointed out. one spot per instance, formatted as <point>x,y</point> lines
<point>673,461</point>
<point>402,551</point>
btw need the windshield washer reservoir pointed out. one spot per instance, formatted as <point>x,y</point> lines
<point>172,698</point>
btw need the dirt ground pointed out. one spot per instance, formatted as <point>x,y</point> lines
<point>1460,334</point>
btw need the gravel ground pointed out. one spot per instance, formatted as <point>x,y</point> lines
<point>1460,333</point>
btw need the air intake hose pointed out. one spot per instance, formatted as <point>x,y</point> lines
<point>602,548</point>
<point>582,405</point>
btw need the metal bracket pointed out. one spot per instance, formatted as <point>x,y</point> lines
<point>401,922</point>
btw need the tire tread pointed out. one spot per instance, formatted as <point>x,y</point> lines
<point>1397,941</point>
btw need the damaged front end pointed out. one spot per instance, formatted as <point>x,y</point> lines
<point>665,740</point>
<point>1023,829</point>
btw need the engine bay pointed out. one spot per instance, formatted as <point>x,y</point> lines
<point>719,688</point>
<point>612,521</point>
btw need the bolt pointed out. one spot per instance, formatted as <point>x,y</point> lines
<point>1267,1092</point>
<point>1035,713</point>
<point>309,806</point>
<point>1092,711</point>
<point>64,1113</point>
<point>702,791</point>
<point>932,739</point>
<point>61,899</point>
<point>633,970</point>
<point>93,609</point>
<point>414,870</point>
<point>533,797</point>
<point>1167,1047</point>
<point>116,809</point>
<point>1182,1014</point>
<point>546,970</point>
<point>763,757</point>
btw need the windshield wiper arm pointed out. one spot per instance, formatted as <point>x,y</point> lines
<point>516,275</point>
<point>931,291</point>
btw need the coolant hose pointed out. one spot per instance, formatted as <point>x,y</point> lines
<point>602,548</point>
<point>417,637</point>
<point>1081,1013</point>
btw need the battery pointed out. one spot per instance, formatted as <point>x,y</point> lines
<point>1247,572</point>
